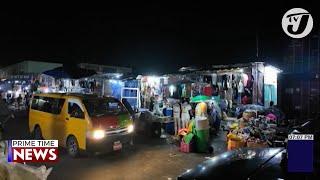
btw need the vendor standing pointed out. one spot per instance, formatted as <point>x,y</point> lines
<point>186,113</point>
<point>201,110</point>
<point>177,117</point>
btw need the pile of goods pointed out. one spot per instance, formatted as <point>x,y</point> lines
<point>251,132</point>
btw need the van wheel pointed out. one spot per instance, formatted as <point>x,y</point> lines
<point>73,147</point>
<point>37,134</point>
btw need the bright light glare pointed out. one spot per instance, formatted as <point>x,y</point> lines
<point>46,90</point>
<point>153,80</point>
<point>270,75</point>
<point>98,134</point>
<point>130,128</point>
<point>270,70</point>
<point>172,88</point>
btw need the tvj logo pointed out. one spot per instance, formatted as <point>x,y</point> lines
<point>297,23</point>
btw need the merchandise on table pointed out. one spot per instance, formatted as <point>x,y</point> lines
<point>253,133</point>
<point>248,114</point>
<point>235,144</point>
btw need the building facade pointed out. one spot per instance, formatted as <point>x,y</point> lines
<point>300,81</point>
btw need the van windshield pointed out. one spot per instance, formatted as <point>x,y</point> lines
<point>104,106</point>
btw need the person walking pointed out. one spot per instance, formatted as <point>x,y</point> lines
<point>27,100</point>
<point>19,100</point>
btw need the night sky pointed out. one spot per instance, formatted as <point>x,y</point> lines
<point>148,37</point>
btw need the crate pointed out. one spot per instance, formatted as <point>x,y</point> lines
<point>257,145</point>
<point>232,144</point>
<point>186,148</point>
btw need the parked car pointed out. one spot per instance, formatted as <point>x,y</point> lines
<point>81,122</point>
<point>245,163</point>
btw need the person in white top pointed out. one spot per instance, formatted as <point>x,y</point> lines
<point>177,117</point>
<point>185,115</point>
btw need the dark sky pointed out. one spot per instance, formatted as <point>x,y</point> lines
<point>148,37</point>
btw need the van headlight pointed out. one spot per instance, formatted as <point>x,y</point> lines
<point>98,134</point>
<point>130,128</point>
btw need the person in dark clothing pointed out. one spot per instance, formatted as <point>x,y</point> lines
<point>27,100</point>
<point>19,100</point>
<point>152,99</point>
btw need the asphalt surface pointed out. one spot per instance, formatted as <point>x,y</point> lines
<point>149,158</point>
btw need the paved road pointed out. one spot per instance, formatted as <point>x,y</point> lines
<point>150,158</point>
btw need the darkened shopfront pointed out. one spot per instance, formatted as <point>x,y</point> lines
<point>300,95</point>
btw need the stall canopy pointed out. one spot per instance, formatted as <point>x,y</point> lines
<point>200,98</point>
<point>66,73</point>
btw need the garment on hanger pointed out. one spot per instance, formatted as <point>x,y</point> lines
<point>245,79</point>
<point>229,81</point>
<point>207,90</point>
<point>250,81</point>
<point>215,90</point>
<point>240,87</point>
<point>214,79</point>
<point>224,82</point>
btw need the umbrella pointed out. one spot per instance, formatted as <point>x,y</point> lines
<point>200,98</point>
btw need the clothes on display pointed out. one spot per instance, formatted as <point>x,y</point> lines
<point>214,79</point>
<point>207,90</point>
<point>245,79</point>
<point>240,87</point>
<point>270,94</point>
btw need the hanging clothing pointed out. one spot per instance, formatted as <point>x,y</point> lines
<point>245,79</point>
<point>250,82</point>
<point>207,90</point>
<point>214,79</point>
<point>224,82</point>
<point>215,90</point>
<point>240,87</point>
<point>188,90</point>
<point>183,91</point>
<point>270,94</point>
<point>229,81</point>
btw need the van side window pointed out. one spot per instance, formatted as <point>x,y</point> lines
<point>34,103</point>
<point>47,104</point>
<point>75,111</point>
<point>57,105</point>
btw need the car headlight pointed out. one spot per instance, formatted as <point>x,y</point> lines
<point>130,128</point>
<point>98,134</point>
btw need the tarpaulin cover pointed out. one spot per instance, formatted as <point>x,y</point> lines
<point>187,138</point>
<point>200,98</point>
